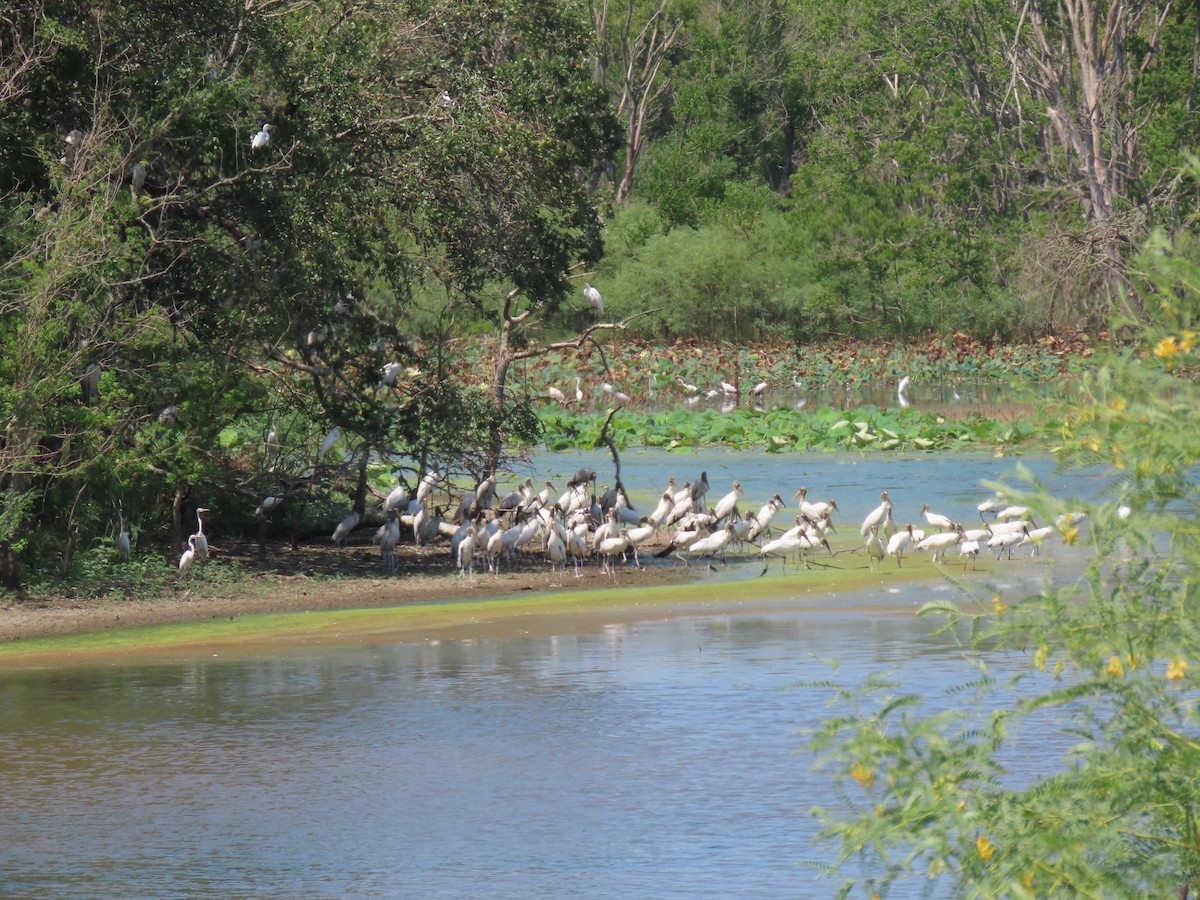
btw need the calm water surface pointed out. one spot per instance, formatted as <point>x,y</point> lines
<point>648,759</point>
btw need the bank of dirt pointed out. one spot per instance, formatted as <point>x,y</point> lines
<point>318,577</point>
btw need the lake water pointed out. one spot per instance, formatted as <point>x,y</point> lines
<point>646,758</point>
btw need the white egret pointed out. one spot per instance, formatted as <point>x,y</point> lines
<point>344,528</point>
<point>593,298</point>
<point>901,397</point>
<point>556,395</point>
<point>759,389</point>
<point>445,101</point>
<point>124,545</point>
<point>268,506</point>
<point>262,137</point>
<point>330,439</point>
<point>388,373</point>
<point>578,391</point>
<point>188,556</point>
<point>729,390</point>
<point>137,177</point>
<point>169,415</point>
<point>690,388</point>
<point>273,445</point>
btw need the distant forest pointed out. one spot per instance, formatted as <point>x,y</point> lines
<point>244,217</point>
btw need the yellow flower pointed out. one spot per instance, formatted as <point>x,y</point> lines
<point>998,605</point>
<point>1176,669</point>
<point>1118,404</point>
<point>863,775</point>
<point>1166,348</point>
<point>985,847</point>
<point>1187,341</point>
<point>1071,535</point>
<point>1115,669</point>
<point>1093,444</point>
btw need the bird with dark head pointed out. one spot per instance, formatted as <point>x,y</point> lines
<point>583,476</point>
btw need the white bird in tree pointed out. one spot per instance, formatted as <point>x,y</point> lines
<point>593,298</point>
<point>936,520</point>
<point>556,394</point>
<point>330,439</point>
<point>268,506</point>
<point>344,528</point>
<point>262,137</point>
<point>201,545</point>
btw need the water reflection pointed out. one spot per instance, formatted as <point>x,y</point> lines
<point>648,759</point>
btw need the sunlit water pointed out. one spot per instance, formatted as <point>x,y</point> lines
<point>651,758</point>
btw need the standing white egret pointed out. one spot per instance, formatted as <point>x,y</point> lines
<point>187,557</point>
<point>124,545</point>
<point>344,528</point>
<point>261,137</point>
<point>201,545</point>
<point>578,391</point>
<point>901,397</point>
<point>593,298</point>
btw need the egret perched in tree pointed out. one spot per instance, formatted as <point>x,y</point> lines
<point>188,556</point>
<point>262,137</point>
<point>268,506</point>
<point>556,394</point>
<point>137,177</point>
<point>201,544</point>
<point>388,373</point>
<point>330,439</point>
<point>445,101</point>
<point>593,298</point>
<point>344,528</point>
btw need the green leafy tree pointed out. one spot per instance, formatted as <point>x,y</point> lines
<point>1112,657</point>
